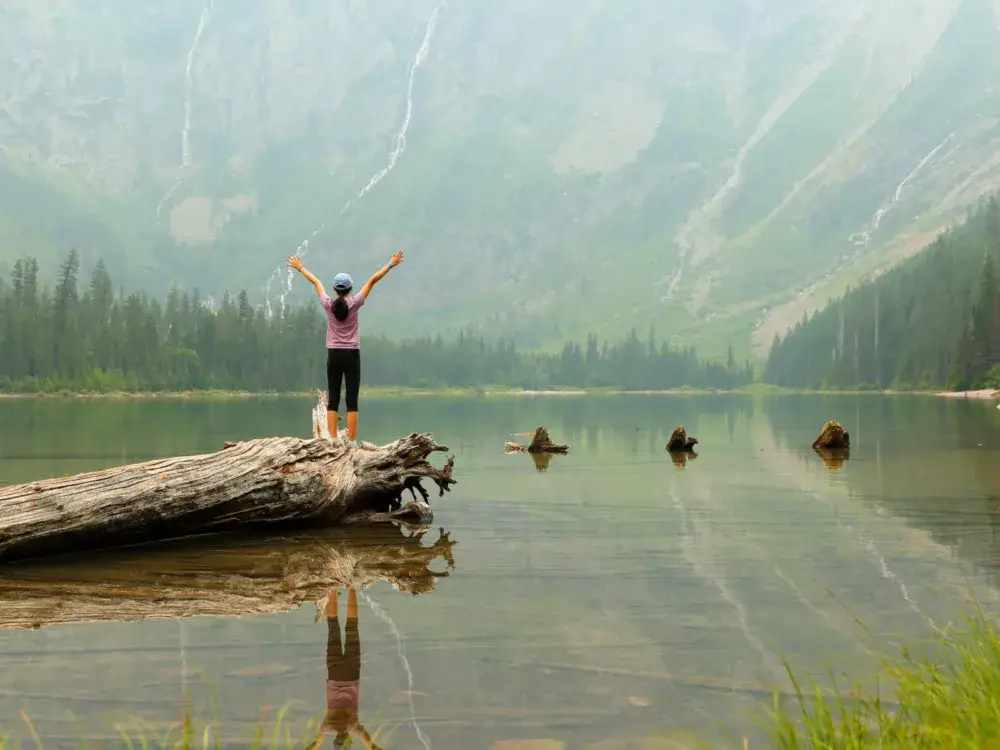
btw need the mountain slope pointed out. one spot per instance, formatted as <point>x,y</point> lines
<point>712,169</point>
<point>932,322</point>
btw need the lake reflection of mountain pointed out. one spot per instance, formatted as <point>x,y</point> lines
<point>933,462</point>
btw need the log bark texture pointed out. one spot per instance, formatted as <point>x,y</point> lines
<point>268,482</point>
<point>227,576</point>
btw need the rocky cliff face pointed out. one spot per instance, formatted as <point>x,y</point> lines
<point>713,168</point>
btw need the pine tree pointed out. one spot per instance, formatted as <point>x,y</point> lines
<point>108,339</point>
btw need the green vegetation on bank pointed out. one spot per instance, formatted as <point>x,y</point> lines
<point>934,322</point>
<point>103,341</point>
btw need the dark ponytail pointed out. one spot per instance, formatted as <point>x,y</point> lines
<point>340,309</point>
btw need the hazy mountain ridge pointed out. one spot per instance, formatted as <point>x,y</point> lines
<point>697,166</point>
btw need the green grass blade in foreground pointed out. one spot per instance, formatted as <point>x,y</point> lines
<point>948,703</point>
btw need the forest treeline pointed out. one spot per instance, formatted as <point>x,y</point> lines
<point>100,340</point>
<point>933,322</point>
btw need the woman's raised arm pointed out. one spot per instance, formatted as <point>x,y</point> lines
<point>295,262</point>
<point>379,274</point>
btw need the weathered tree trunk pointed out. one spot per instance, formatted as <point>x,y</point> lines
<point>832,437</point>
<point>227,576</point>
<point>680,442</point>
<point>267,482</point>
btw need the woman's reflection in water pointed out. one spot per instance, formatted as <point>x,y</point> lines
<point>343,675</point>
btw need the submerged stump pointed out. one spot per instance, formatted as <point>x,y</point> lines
<point>832,437</point>
<point>540,443</point>
<point>268,482</point>
<point>833,445</point>
<point>681,442</point>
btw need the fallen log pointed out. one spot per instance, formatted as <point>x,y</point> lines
<point>220,576</point>
<point>267,482</point>
<point>681,442</point>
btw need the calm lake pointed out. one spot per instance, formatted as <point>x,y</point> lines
<point>612,601</point>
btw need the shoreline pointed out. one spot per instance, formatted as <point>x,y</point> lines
<point>986,394</point>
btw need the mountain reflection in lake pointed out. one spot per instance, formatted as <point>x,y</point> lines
<point>619,596</point>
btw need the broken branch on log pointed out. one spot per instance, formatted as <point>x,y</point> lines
<point>264,482</point>
<point>222,576</point>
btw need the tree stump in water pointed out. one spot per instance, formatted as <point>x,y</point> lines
<point>222,576</point>
<point>268,482</point>
<point>540,443</point>
<point>832,438</point>
<point>680,442</point>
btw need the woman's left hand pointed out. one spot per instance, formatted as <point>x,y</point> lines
<point>294,262</point>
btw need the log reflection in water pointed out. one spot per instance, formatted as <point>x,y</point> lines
<point>225,575</point>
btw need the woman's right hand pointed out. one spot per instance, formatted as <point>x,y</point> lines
<point>396,259</point>
<point>295,262</point>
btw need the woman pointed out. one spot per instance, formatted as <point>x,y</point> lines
<point>343,675</point>
<point>343,346</point>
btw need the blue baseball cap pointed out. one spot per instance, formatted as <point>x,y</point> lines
<point>342,282</point>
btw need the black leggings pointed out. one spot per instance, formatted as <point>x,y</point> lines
<point>343,664</point>
<point>343,364</point>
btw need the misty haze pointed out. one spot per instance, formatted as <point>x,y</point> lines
<point>737,258</point>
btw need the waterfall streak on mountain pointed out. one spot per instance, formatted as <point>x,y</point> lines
<point>873,226</point>
<point>206,13</point>
<point>694,237</point>
<point>399,142</point>
<point>398,148</point>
